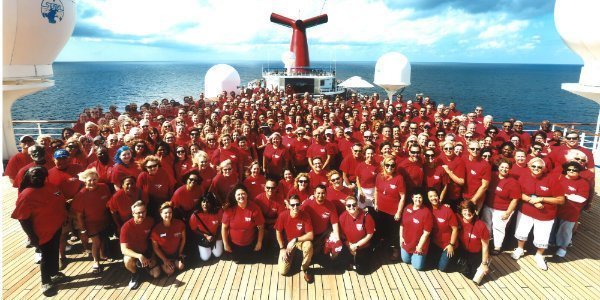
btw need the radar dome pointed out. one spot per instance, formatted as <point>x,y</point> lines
<point>221,78</point>
<point>34,34</point>
<point>577,23</point>
<point>392,72</point>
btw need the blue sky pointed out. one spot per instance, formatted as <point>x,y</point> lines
<point>494,31</point>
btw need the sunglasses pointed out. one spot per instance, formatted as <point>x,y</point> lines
<point>537,167</point>
<point>389,165</point>
<point>294,204</point>
<point>269,187</point>
<point>572,170</point>
<point>486,156</point>
<point>180,151</point>
<point>226,169</point>
<point>571,138</point>
<point>429,155</point>
<point>335,179</point>
<point>151,166</point>
<point>351,205</point>
<point>537,148</point>
<point>448,148</point>
<point>474,149</point>
<point>302,181</point>
<point>414,152</point>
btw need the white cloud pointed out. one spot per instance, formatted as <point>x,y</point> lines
<point>240,27</point>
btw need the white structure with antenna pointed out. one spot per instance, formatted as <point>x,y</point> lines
<point>392,73</point>
<point>34,34</point>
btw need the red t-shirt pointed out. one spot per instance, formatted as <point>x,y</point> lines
<point>412,172</point>
<point>457,166</point>
<point>45,207</point>
<point>388,193</point>
<point>321,215</point>
<point>136,236</point>
<point>276,159</point>
<point>293,227</point>
<point>104,171</point>
<point>158,187</point>
<point>501,192</point>
<point>476,171</point>
<point>303,195</point>
<point>414,223</point>
<point>221,186</point>
<point>188,200</point>
<point>255,185</point>
<point>298,150</point>
<point>223,154</point>
<point>317,150</point>
<point>15,163</point>
<point>338,197</point>
<point>168,238</point>
<point>577,192</point>
<point>211,221</point>
<point>367,174</point>
<point>443,221</point>
<point>348,166</point>
<point>470,235</point>
<point>270,208</point>
<point>545,186</point>
<point>66,180</point>
<point>120,171</point>
<point>121,203</point>
<point>435,177</point>
<point>242,223</point>
<point>355,229</point>
<point>517,171</point>
<point>317,178</point>
<point>92,204</point>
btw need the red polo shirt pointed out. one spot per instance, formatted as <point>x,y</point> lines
<point>443,221</point>
<point>293,227</point>
<point>92,204</point>
<point>501,192</point>
<point>136,236</point>
<point>211,221</point>
<point>168,238</point>
<point>476,172</point>
<point>367,174</point>
<point>414,223</point>
<point>321,215</point>
<point>388,193</point>
<point>355,229</point>
<point>471,235</point>
<point>242,223</point>
<point>545,186</point>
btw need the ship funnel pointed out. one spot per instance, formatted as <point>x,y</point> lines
<point>221,78</point>
<point>392,72</point>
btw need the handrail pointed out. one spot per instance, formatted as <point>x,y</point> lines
<point>43,121</point>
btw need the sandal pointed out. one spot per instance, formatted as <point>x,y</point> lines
<point>96,269</point>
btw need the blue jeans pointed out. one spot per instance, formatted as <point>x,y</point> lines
<point>416,260</point>
<point>444,261</point>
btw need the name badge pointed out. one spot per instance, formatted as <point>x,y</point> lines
<point>359,226</point>
<point>162,235</point>
<point>248,219</point>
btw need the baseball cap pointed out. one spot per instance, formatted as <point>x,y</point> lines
<point>61,153</point>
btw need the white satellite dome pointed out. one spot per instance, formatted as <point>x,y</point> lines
<point>577,23</point>
<point>34,34</point>
<point>221,78</point>
<point>392,72</point>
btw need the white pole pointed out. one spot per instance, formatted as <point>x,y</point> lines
<point>595,146</point>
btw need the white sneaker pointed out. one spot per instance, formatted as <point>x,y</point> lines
<point>561,252</point>
<point>540,261</point>
<point>37,258</point>
<point>517,253</point>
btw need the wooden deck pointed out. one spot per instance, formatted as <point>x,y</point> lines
<point>577,277</point>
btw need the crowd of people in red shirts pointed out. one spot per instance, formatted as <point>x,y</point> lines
<point>264,174</point>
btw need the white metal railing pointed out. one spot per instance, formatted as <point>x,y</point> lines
<point>34,128</point>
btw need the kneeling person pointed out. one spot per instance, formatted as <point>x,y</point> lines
<point>357,228</point>
<point>294,232</point>
<point>168,240</point>
<point>135,239</point>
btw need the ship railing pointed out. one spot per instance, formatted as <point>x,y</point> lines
<point>35,128</point>
<point>332,90</point>
<point>304,71</point>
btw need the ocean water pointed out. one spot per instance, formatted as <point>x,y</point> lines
<point>526,92</point>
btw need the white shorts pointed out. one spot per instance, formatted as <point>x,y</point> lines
<point>541,230</point>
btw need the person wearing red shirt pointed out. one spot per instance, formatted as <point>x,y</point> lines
<point>39,158</point>
<point>243,226</point>
<point>168,240</point>
<point>558,154</point>
<point>337,192</point>
<point>120,203</point>
<point>288,138</point>
<point>124,166</point>
<point>154,184</point>
<point>182,164</point>
<point>206,225</point>
<point>202,163</point>
<point>478,175</point>
<point>255,181</point>
<point>389,201</point>
<point>294,232</point>
<point>227,151</point>
<point>357,228</point>
<point>102,165</point>
<point>444,233</point>
<point>64,174</point>
<point>577,191</point>
<point>40,209</point>
<point>349,165</point>
<point>275,157</point>
<point>89,206</point>
<point>223,182</point>
<point>434,175</point>
<point>187,198</point>
<point>301,187</point>
<point>366,175</point>
<point>135,241</point>
<point>20,159</point>
<point>541,194</point>
<point>271,203</point>
<point>298,151</point>
<point>519,168</point>
<point>286,183</point>
<point>317,175</point>
<point>501,201</point>
<point>474,243</point>
<point>318,148</point>
<point>411,169</point>
<point>454,166</point>
<point>324,218</point>
<point>416,226</point>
